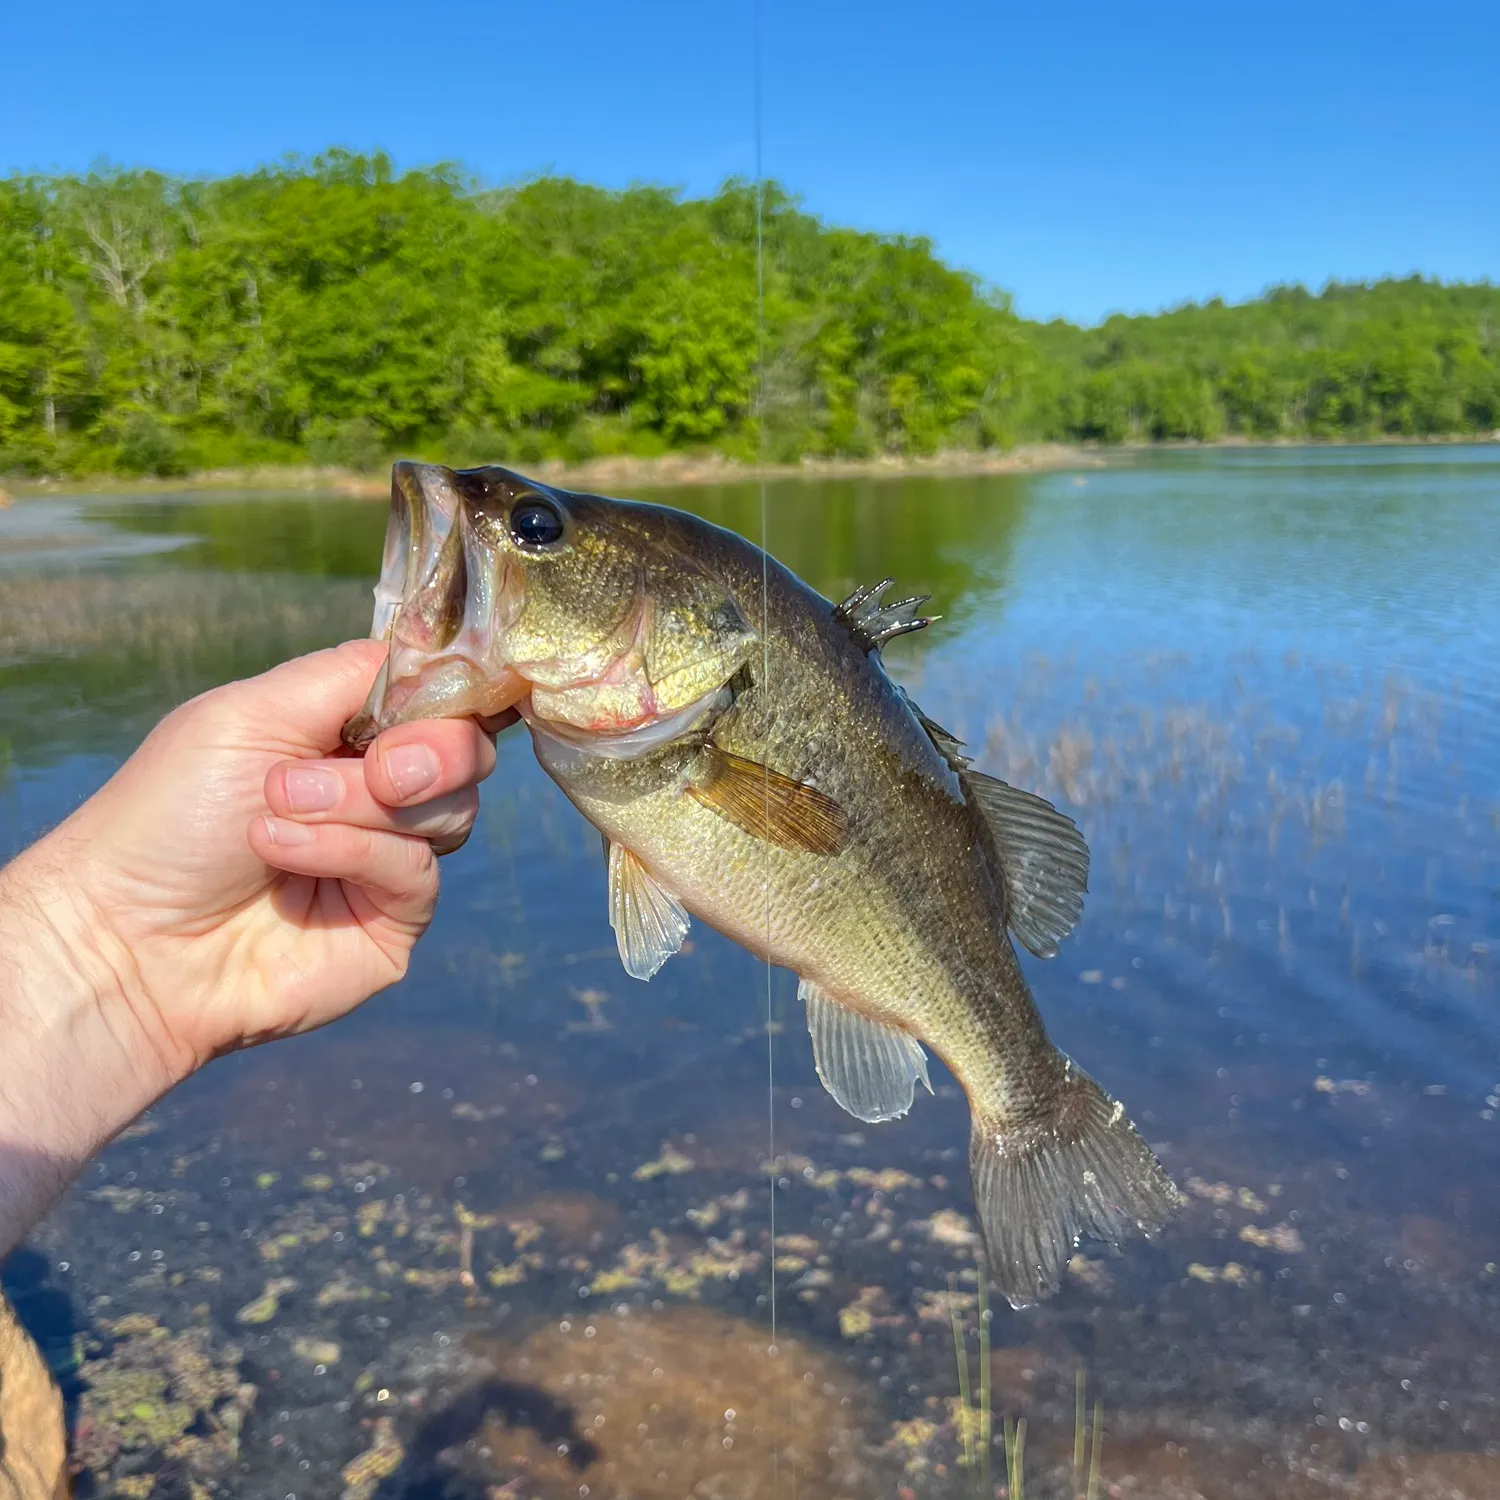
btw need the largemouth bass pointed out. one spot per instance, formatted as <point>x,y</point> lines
<point>736,739</point>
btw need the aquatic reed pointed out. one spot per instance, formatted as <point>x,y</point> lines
<point>975,1418</point>
<point>1088,1438</point>
<point>171,611</point>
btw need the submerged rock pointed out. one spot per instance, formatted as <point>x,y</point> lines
<point>681,1402</point>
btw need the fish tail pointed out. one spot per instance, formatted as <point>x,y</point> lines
<point>1039,1187</point>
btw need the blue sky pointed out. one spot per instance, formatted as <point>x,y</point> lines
<point>1087,157</point>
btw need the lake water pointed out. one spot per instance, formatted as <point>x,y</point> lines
<point>1267,684</point>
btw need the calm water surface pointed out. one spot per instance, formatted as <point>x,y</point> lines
<point>508,1231</point>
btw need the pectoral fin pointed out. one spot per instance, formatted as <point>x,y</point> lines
<point>648,920</point>
<point>768,805</point>
<point>1043,858</point>
<point>870,1069</point>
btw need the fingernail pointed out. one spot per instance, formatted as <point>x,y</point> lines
<point>285,832</point>
<point>312,789</point>
<point>412,769</point>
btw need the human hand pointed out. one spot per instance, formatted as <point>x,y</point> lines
<point>233,883</point>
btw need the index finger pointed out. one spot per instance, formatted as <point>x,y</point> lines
<point>413,763</point>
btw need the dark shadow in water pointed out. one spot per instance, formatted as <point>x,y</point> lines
<point>451,1425</point>
<point>46,1311</point>
<point>934,535</point>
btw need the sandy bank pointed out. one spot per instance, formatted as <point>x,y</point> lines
<point>605,474</point>
<point>621,475</point>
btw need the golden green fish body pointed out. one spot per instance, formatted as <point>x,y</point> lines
<point>737,741</point>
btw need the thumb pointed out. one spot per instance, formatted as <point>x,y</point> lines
<point>305,702</point>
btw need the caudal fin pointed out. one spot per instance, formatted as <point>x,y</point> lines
<point>1040,1188</point>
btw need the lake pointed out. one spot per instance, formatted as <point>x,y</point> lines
<point>509,1230</point>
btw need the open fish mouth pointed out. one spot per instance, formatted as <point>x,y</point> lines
<point>441,605</point>
<point>498,592</point>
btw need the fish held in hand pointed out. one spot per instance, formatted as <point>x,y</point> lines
<point>736,739</point>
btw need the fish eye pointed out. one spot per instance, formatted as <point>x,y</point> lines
<point>535,522</point>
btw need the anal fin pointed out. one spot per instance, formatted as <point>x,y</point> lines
<point>871,1069</point>
<point>649,921</point>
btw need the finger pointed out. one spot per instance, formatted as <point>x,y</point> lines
<point>337,791</point>
<point>416,762</point>
<point>398,872</point>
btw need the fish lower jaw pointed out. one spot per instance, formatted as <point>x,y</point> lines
<point>437,687</point>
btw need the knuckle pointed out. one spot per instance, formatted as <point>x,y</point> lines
<point>364,846</point>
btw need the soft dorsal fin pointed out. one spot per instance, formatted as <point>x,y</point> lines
<point>872,623</point>
<point>649,921</point>
<point>1043,857</point>
<point>768,805</point>
<point>871,1069</point>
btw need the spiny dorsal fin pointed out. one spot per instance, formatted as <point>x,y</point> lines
<point>1043,857</point>
<point>871,1069</point>
<point>649,921</point>
<point>872,623</point>
<point>768,805</point>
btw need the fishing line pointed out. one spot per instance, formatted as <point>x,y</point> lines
<point>765,639</point>
<point>765,682</point>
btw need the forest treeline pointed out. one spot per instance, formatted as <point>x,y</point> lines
<point>333,310</point>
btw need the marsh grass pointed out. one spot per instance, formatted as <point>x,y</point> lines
<point>167,613</point>
<point>90,660</point>
<point>1087,1437</point>
<point>975,1417</point>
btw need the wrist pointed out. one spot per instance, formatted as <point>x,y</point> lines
<point>75,1063</point>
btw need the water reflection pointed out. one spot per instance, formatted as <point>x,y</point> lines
<point>1267,686</point>
<point>835,534</point>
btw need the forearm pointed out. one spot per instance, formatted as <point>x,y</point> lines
<point>73,1067</point>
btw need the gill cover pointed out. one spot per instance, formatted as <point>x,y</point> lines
<point>495,589</point>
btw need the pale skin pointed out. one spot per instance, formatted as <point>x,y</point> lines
<point>235,882</point>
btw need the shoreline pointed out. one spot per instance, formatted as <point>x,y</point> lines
<point>672,470</point>
<point>664,472</point>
